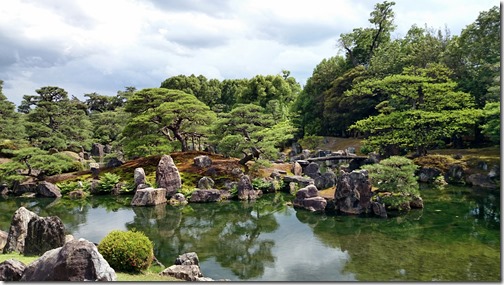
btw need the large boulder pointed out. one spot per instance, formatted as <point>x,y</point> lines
<point>326,180</point>
<point>312,170</point>
<point>455,174</point>
<point>428,174</point>
<point>114,162</point>
<point>44,233</point>
<point>18,230</point>
<point>76,260</point>
<point>27,187</point>
<point>205,195</point>
<point>379,209</point>
<point>246,190</point>
<point>47,189</point>
<point>202,161</point>
<point>149,197</point>
<point>353,192</point>
<point>481,181</point>
<point>139,176</point>
<point>11,270</point>
<point>168,176</point>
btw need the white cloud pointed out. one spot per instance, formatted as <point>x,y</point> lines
<point>100,46</point>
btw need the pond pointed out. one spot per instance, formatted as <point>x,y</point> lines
<point>456,237</point>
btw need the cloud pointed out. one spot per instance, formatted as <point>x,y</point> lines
<point>100,46</point>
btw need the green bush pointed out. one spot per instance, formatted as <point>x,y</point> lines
<point>127,251</point>
<point>108,181</point>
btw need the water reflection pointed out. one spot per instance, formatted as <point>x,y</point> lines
<point>456,237</point>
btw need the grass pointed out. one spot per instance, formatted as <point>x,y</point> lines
<point>151,274</point>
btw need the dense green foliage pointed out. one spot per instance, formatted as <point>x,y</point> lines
<point>427,89</point>
<point>127,251</point>
<point>395,175</point>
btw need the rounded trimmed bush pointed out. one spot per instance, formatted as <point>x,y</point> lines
<point>127,251</point>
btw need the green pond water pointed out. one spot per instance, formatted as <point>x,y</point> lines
<point>456,237</point>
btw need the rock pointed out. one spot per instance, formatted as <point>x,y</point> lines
<point>189,258</point>
<point>107,148</point>
<point>353,192</point>
<point>11,270</point>
<point>97,150</point>
<point>205,195</point>
<point>44,233</point>
<point>18,230</point>
<point>481,181</point>
<point>149,197</point>
<point>326,180</point>
<point>114,162</point>
<point>237,171</point>
<point>69,238</point>
<point>202,161</point>
<point>350,150</point>
<point>427,174</point>
<point>178,199</point>
<point>308,198</point>
<point>77,260</point>
<point>95,170</point>
<point>168,176</point>
<point>482,165</point>
<point>299,180</point>
<point>312,170</point>
<point>296,148</point>
<point>47,189</point>
<point>457,156</point>
<point>315,204</point>
<point>416,202</point>
<point>206,183</point>
<point>379,209</point>
<point>139,177</point>
<point>455,174</point>
<point>297,169</point>
<point>3,239</point>
<point>77,194</point>
<point>184,272</point>
<point>28,187</point>
<point>306,153</point>
<point>246,190</point>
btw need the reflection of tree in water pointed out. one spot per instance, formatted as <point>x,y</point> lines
<point>442,242</point>
<point>229,231</point>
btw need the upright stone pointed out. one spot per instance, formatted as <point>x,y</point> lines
<point>18,230</point>
<point>206,183</point>
<point>246,190</point>
<point>76,260</point>
<point>44,233</point>
<point>139,176</point>
<point>97,150</point>
<point>168,176</point>
<point>353,192</point>
<point>202,161</point>
<point>312,170</point>
<point>297,169</point>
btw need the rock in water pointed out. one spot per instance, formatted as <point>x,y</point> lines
<point>47,189</point>
<point>168,176</point>
<point>246,190</point>
<point>77,260</point>
<point>353,192</point>
<point>149,197</point>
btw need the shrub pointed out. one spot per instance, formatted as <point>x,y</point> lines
<point>127,251</point>
<point>108,182</point>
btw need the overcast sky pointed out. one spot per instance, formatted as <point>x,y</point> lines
<point>102,46</point>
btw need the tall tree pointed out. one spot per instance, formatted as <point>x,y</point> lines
<point>170,114</point>
<point>11,127</point>
<point>309,105</point>
<point>421,108</point>
<point>475,56</point>
<point>55,121</point>
<point>361,43</point>
<point>249,132</point>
